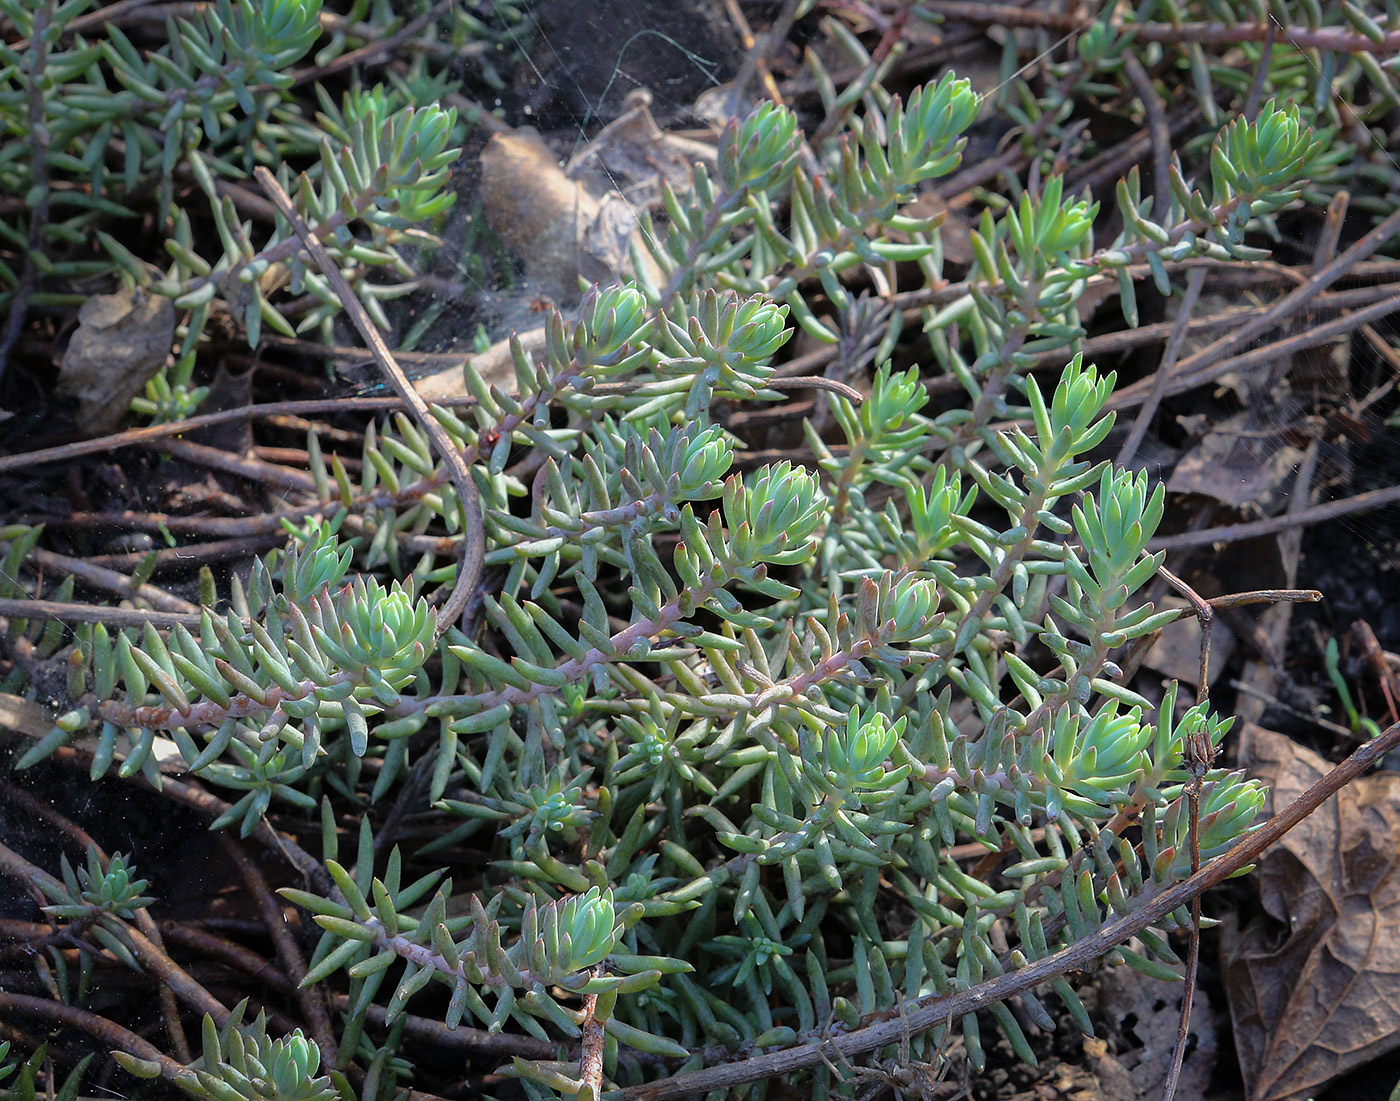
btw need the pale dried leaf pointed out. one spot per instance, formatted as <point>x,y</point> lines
<point>634,155</point>
<point>1177,652</point>
<point>1236,466</point>
<point>539,213</point>
<point>121,342</point>
<point>569,225</point>
<point>495,366</point>
<point>561,230</point>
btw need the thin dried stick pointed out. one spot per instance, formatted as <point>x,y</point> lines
<point>1180,327</point>
<point>1267,354</point>
<point>1206,364</point>
<point>311,869</point>
<point>1263,675</point>
<point>870,72</point>
<point>1375,272</point>
<point>186,987</point>
<point>235,955</point>
<point>189,555</point>
<point>816,382</point>
<point>1331,234</point>
<point>11,608</point>
<point>1198,755</point>
<point>250,528</point>
<point>216,458</point>
<point>131,520</point>
<point>45,812</point>
<point>1266,596</point>
<point>462,1038</point>
<point>1104,169</point>
<point>33,877</point>
<point>111,15</point>
<point>368,53</point>
<point>1251,529</point>
<point>98,577</point>
<point>750,45</point>
<point>1157,129</point>
<point>474,542</point>
<point>756,61</point>
<point>310,999</point>
<point>112,1035</point>
<point>103,444</point>
<point>1201,608</point>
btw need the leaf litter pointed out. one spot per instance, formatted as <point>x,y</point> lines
<point>1314,982</point>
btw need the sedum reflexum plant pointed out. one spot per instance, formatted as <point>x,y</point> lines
<point>725,730</point>
<point>112,121</point>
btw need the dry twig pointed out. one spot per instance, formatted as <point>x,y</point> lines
<point>474,543</point>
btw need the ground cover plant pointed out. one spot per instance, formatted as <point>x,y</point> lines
<point>742,684</point>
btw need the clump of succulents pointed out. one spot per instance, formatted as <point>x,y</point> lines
<point>722,732</point>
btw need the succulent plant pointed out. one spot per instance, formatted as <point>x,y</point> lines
<point>712,718</point>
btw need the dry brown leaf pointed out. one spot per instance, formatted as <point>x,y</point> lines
<point>1144,1015</point>
<point>571,224</point>
<point>635,155</point>
<point>122,340</point>
<point>1314,986</point>
<point>495,366</point>
<point>1233,465</point>
<point>1113,1076</point>
<point>560,228</point>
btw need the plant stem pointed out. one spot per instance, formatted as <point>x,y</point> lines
<point>111,1035</point>
<point>474,543</point>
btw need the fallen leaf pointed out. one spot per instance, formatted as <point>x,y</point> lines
<point>495,366</point>
<point>1233,465</point>
<point>568,224</point>
<point>121,342</point>
<point>1177,652</point>
<point>1113,1076</point>
<point>538,212</point>
<point>1314,985</point>
<point>634,155</point>
<point>555,223</point>
<point>1143,1015</point>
